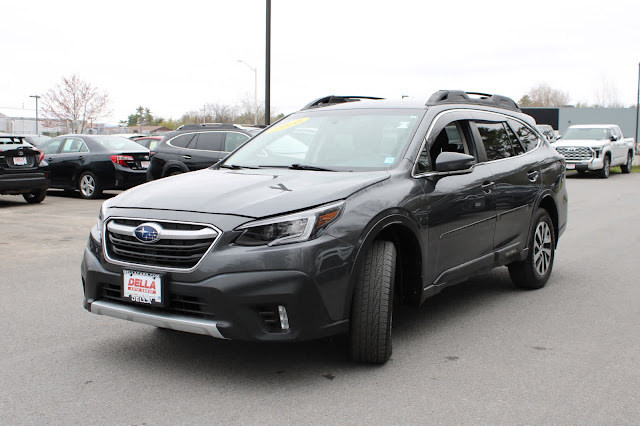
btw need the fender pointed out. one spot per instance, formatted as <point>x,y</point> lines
<point>173,164</point>
<point>377,225</point>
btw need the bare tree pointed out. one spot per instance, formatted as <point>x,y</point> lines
<point>607,95</point>
<point>76,102</point>
<point>544,95</point>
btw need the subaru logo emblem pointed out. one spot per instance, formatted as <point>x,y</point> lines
<point>147,232</point>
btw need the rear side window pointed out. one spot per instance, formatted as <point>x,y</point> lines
<point>233,140</point>
<point>495,139</point>
<point>527,136</point>
<point>209,141</point>
<point>52,146</point>
<point>182,141</point>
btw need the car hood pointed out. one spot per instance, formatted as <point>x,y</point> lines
<point>250,193</point>
<point>582,142</point>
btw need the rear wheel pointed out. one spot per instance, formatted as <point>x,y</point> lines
<point>626,168</point>
<point>89,186</point>
<point>36,196</point>
<point>534,271</point>
<point>606,167</point>
<point>372,307</point>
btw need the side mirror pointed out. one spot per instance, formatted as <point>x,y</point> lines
<point>613,138</point>
<point>454,162</point>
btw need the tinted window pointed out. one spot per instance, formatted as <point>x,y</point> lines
<point>117,143</point>
<point>209,141</point>
<point>527,136</point>
<point>52,147</point>
<point>450,139</point>
<point>495,140</point>
<point>73,145</point>
<point>515,143</point>
<point>182,141</point>
<point>233,140</point>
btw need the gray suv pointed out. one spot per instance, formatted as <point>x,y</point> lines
<point>330,218</point>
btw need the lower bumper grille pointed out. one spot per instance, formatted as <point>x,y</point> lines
<point>175,304</point>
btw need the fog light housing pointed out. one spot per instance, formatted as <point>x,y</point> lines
<point>284,318</point>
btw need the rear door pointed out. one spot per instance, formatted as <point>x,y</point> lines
<point>508,145</point>
<point>208,150</point>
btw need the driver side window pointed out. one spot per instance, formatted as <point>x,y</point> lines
<point>451,138</point>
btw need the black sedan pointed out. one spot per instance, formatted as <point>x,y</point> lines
<point>92,163</point>
<point>21,171</point>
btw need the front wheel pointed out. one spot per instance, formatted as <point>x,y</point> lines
<point>606,167</point>
<point>89,186</point>
<point>626,168</point>
<point>534,271</point>
<point>372,307</point>
<point>36,196</point>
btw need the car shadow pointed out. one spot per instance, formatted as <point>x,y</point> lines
<point>61,193</point>
<point>205,359</point>
<point>591,174</point>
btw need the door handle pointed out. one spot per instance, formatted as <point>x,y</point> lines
<point>186,157</point>
<point>533,175</point>
<point>486,187</point>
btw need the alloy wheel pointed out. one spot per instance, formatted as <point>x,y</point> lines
<point>87,185</point>
<point>542,248</point>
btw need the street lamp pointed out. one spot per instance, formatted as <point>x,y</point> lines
<point>37,97</point>
<point>255,91</point>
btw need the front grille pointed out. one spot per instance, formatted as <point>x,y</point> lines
<point>180,245</point>
<point>575,153</point>
<point>175,303</point>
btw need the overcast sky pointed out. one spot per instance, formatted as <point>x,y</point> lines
<point>176,56</point>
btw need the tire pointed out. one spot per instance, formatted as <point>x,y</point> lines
<point>534,271</point>
<point>626,168</point>
<point>606,167</point>
<point>89,186</point>
<point>173,172</point>
<point>36,196</point>
<point>372,306</point>
<point>581,172</point>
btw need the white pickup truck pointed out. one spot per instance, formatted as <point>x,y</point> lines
<point>596,147</point>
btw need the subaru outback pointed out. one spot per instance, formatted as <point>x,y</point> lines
<point>329,218</point>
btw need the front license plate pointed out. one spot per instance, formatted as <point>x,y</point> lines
<point>571,166</point>
<point>20,161</point>
<point>144,164</point>
<point>142,287</point>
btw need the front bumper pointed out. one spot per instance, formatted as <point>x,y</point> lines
<point>592,164</point>
<point>240,305</point>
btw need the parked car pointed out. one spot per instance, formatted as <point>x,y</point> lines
<point>93,163</point>
<point>325,221</point>
<point>548,132</point>
<point>21,171</point>
<point>149,142</point>
<point>596,147</point>
<point>196,146</point>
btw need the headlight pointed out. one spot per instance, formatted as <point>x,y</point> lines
<point>291,228</point>
<point>96,231</point>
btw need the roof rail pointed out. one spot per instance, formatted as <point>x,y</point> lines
<point>460,97</point>
<point>333,100</point>
<point>205,125</point>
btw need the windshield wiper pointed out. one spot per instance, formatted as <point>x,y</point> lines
<point>296,167</point>
<point>235,167</point>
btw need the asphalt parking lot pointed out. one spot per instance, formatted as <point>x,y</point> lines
<point>478,353</point>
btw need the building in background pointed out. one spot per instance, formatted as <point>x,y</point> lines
<point>561,118</point>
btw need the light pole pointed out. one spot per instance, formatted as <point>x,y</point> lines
<point>37,97</point>
<point>267,68</point>
<point>255,91</point>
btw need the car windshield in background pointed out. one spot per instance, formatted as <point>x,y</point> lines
<point>587,133</point>
<point>8,140</point>
<point>334,140</point>
<point>118,143</point>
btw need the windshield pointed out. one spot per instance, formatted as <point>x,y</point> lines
<point>118,143</point>
<point>333,140</point>
<point>595,133</point>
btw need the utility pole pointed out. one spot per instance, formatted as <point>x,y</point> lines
<point>255,91</point>
<point>267,70</point>
<point>38,97</point>
<point>637,106</point>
